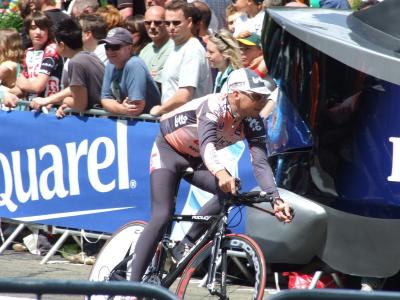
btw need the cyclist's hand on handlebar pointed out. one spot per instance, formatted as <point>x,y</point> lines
<point>283,211</point>
<point>226,182</point>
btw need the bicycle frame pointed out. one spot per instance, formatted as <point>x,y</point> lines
<point>215,234</point>
<point>218,225</point>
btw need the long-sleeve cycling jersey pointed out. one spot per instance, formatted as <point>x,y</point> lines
<point>205,125</point>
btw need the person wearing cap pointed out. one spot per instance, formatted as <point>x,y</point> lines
<point>252,18</point>
<point>251,53</point>
<point>190,137</point>
<point>128,88</point>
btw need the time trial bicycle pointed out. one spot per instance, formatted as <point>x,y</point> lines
<point>221,264</point>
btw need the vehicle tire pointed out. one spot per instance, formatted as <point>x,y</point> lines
<point>120,245</point>
<point>245,276</point>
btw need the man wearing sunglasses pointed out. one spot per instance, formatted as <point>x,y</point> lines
<point>156,53</point>
<point>128,88</point>
<point>186,74</point>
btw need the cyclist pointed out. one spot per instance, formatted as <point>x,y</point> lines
<point>190,137</point>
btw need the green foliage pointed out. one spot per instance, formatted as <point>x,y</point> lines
<point>103,3</point>
<point>11,20</point>
<point>355,4</point>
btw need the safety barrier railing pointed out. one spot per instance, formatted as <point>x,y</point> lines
<point>89,289</point>
<point>98,113</point>
<point>333,294</point>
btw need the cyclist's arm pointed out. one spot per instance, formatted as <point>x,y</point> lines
<point>256,136</point>
<point>207,130</point>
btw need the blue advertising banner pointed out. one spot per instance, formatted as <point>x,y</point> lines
<point>82,172</point>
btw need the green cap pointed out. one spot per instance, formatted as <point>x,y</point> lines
<point>252,40</point>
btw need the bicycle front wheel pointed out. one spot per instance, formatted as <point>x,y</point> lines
<point>245,275</point>
<point>121,244</point>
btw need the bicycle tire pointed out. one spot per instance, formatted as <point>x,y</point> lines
<point>121,244</point>
<point>246,274</point>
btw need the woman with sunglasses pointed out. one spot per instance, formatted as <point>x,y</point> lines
<point>223,54</point>
<point>136,26</point>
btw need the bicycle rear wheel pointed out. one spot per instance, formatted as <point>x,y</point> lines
<point>245,276</point>
<point>121,244</point>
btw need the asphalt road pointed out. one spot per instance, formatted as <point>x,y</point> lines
<point>22,265</point>
<point>25,265</point>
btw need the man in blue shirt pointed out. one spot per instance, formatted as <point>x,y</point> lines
<point>128,88</point>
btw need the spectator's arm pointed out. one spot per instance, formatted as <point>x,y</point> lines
<point>182,95</point>
<point>4,72</point>
<point>35,85</point>
<point>79,100</point>
<point>8,99</point>
<point>127,107</point>
<point>16,91</point>
<point>56,98</point>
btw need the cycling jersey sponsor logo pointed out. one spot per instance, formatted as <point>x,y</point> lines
<point>254,124</point>
<point>180,120</point>
<point>257,80</point>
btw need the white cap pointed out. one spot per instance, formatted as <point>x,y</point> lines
<point>247,80</point>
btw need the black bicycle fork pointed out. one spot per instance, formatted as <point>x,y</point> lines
<point>213,265</point>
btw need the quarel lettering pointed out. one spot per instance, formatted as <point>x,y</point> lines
<point>31,184</point>
<point>395,176</point>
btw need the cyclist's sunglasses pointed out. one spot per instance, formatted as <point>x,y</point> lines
<point>175,23</point>
<point>156,23</point>
<point>255,96</point>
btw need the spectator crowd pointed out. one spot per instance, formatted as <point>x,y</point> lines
<point>130,57</point>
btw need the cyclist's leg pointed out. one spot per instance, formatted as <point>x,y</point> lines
<point>163,182</point>
<point>166,165</point>
<point>205,180</point>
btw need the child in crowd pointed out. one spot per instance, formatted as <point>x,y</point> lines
<point>42,65</point>
<point>231,15</point>
<point>252,18</point>
<point>11,53</point>
<point>223,54</point>
<point>135,25</point>
<point>251,52</point>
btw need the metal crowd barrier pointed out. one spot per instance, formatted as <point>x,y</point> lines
<point>333,294</point>
<point>98,113</point>
<point>42,288</point>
